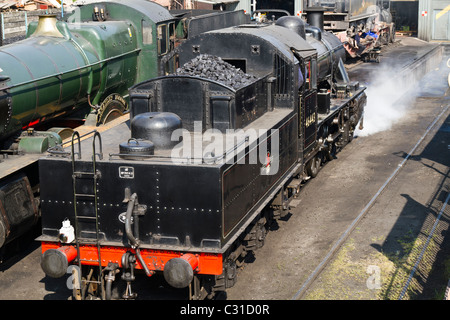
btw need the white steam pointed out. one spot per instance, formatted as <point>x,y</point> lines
<point>386,102</point>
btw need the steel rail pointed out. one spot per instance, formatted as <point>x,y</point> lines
<point>419,259</point>
<point>345,235</point>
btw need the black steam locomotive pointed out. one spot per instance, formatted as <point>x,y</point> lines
<point>189,186</point>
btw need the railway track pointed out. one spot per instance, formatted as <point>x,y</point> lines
<point>341,240</point>
<point>422,253</point>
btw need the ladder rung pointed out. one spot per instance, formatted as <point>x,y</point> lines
<point>86,217</point>
<point>92,242</point>
<point>83,172</point>
<point>84,195</point>
<point>78,174</point>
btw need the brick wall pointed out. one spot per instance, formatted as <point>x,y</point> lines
<point>13,25</point>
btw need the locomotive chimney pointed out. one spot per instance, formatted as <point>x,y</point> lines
<point>47,27</point>
<point>314,17</point>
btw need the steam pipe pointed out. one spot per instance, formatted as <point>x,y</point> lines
<point>134,242</point>
<point>109,280</point>
<point>141,260</point>
<point>128,231</point>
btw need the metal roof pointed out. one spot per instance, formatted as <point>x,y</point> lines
<point>280,37</point>
<point>156,12</point>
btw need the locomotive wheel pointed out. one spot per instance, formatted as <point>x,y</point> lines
<point>350,133</point>
<point>347,135</point>
<point>313,166</point>
<point>112,108</point>
<point>330,152</point>
<point>112,114</point>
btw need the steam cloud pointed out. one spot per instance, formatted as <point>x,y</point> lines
<point>386,102</point>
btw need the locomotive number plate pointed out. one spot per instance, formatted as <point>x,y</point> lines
<point>126,172</point>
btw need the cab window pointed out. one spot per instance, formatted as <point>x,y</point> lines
<point>311,74</point>
<point>162,39</point>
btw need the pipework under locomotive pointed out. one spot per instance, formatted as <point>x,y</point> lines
<point>191,183</point>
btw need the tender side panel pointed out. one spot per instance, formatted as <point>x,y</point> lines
<point>245,185</point>
<point>174,216</point>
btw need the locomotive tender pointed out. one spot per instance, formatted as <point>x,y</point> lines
<point>81,67</point>
<point>192,182</point>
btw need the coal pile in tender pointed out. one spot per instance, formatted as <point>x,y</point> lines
<point>214,68</point>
